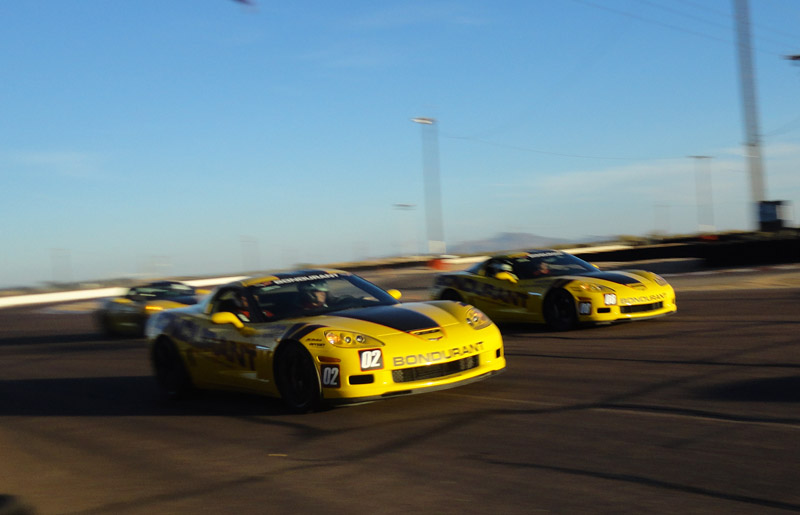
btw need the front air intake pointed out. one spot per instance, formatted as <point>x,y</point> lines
<point>427,372</point>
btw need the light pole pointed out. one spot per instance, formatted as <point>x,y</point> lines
<point>411,245</point>
<point>705,204</point>
<point>433,192</point>
<point>749,108</point>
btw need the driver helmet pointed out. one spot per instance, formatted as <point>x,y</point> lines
<point>500,266</point>
<point>308,291</point>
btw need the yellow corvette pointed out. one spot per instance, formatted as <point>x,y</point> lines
<point>556,288</point>
<point>127,315</point>
<point>316,337</point>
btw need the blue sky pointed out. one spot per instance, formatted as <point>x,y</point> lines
<point>211,137</point>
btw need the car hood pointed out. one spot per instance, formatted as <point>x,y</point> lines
<point>381,321</point>
<point>618,279</point>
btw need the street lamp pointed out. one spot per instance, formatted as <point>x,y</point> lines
<point>433,194</point>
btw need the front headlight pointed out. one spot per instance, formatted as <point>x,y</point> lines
<point>594,287</point>
<point>477,319</point>
<point>350,339</point>
<point>659,280</point>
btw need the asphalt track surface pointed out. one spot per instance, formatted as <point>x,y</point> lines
<point>693,413</point>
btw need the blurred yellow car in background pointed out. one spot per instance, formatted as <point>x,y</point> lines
<point>127,315</point>
<point>557,289</point>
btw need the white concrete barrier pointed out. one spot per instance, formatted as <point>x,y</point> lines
<point>98,293</point>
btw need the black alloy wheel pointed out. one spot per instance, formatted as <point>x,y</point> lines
<point>559,311</point>
<point>172,377</point>
<point>451,295</point>
<point>297,378</point>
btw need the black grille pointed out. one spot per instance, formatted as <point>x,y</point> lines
<point>362,379</point>
<point>407,375</point>
<point>639,308</point>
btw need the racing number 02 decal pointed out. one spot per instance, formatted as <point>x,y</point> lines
<point>371,359</point>
<point>330,376</point>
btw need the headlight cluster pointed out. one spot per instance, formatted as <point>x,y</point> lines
<point>153,309</point>
<point>594,287</point>
<point>659,280</point>
<point>348,339</point>
<point>477,319</point>
<point>609,295</point>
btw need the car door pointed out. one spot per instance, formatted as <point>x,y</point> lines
<point>501,299</point>
<point>127,312</point>
<point>230,353</point>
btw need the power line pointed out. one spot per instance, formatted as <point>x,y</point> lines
<point>678,28</point>
<point>560,154</point>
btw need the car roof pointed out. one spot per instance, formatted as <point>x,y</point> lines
<point>292,276</point>
<point>524,253</point>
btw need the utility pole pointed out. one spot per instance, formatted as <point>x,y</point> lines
<point>748,86</point>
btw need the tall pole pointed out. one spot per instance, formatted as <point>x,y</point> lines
<point>705,203</point>
<point>747,79</point>
<point>412,241</point>
<point>433,192</point>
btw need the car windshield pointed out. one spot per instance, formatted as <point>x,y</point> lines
<point>547,264</point>
<point>316,294</point>
<point>161,291</point>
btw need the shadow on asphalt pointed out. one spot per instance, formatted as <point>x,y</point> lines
<point>122,396</point>
<point>775,389</point>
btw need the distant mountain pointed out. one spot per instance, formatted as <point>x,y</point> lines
<point>507,241</point>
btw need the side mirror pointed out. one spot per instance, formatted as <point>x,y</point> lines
<point>395,293</point>
<point>224,317</point>
<point>506,276</point>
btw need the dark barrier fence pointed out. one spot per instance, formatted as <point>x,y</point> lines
<point>742,250</point>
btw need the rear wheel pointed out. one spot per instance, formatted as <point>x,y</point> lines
<point>559,311</point>
<point>105,325</point>
<point>171,375</point>
<point>296,377</point>
<point>451,295</point>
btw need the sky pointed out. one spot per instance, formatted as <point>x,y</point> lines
<point>211,137</point>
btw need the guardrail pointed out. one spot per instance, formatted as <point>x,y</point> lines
<point>716,252</point>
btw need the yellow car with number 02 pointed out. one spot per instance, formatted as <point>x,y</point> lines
<point>317,337</point>
<point>558,289</point>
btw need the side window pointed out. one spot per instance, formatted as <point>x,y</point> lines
<point>496,266</point>
<point>227,300</point>
<point>487,268</point>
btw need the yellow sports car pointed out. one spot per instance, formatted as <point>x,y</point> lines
<point>315,337</point>
<point>556,288</point>
<point>127,315</point>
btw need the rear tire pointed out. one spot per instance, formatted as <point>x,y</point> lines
<point>105,325</point>
<point>297,379</point>
<point>559,311</point>
<point>172,378</point>
<point>451,295</point>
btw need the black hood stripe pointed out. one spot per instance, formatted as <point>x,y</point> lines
<point>391,316</point>
<point>613,277</point>
<point>297,331</point>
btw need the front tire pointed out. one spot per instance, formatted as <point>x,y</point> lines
<point>172,378</point>
<point>559,311</point>
<point>297,379</point>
